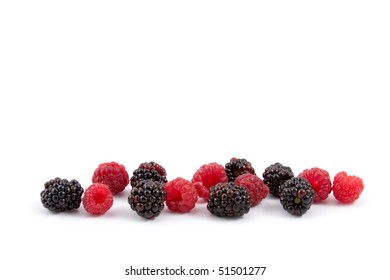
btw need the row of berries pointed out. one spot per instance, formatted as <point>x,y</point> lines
<point>229,190</point>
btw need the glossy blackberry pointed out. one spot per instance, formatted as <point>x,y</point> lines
<point>61,195</point>
<point>228,200</point>
<point>147,198</point>
<point>238,166</point>
<point>296,196</point>
<point>149,170</point>
<point>275,175</point>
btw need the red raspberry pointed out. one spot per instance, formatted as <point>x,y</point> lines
<point>208,175</point>
<point>97,199</point>
<point>257,189</point>
<point>112,174</point>
<point>181,195</point>
<point>347,189</point>
<point>319,180</point>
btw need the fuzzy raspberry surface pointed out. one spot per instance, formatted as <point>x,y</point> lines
<point>181,195</point>
<point>207,176</point>
<point>256,188</point>
<point>320,181</point>
<point>347,188</point>
<point>97,199</point>
<point>112,174</point>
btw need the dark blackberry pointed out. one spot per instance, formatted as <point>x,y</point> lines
<point>149,170</point>
<point>61,195</point>
<point>147,198</point>
<point>296,196</point>
<point>275,175</point>
<point>238,166</point>
<point>228,200</point>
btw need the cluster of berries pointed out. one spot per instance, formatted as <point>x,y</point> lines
<point>230,190</point>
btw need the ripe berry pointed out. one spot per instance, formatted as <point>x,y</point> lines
<point>112,174</point>
<point>61,195</point>
<point>181,195</point>
<point>228,200</point>
<point>347,188</point>
<point>147,198</point>
<point>208,175</point>
<point>237,167</point>
<point>296,196</point>
<point>149,170</point>
<point>255,187</point>
<point>320,181</point>
<point>275,175</point>
<point>97,199</point>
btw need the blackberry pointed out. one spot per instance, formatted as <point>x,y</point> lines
<point>296,196</point>
<point>275,175</point>
<point>61,195</point>
<point>237,167</point>
<point>147,198</point>
<point>228,200</point>
<point>149,170</point>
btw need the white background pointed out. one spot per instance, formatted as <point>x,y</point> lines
<point>185,83</point>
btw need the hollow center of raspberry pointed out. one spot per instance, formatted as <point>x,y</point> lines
<point>99,197</point>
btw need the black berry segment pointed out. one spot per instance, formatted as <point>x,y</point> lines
<point>296,196</point>
<point>61,195</point>
<point>149,171</point>
<point>275,175</point>
<point>238,166</point>
<point>147,198</point>
<point>228,200</point>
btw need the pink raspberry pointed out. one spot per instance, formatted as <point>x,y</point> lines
<point>257,189</point>
<point>112,174</point>
<point>207,176</point>
<point>347,189</point>
<point>319,180</point>
<point>181,195</point>
<point>97,199</point>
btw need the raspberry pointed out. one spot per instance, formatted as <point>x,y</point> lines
<point>275,175</point>
<point>149,170</point>
<point>347,188</point>
<point>296,196</point>
<point>319,180</point>
<point>255,187</point>
<point>237,167</point>
<point>61,195</point>
<point>181,195</point>
<point>228,200</point>
<point>112,174</point>
<point>147,198</point>
<point>97,199</point>
<point>208,175</point>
